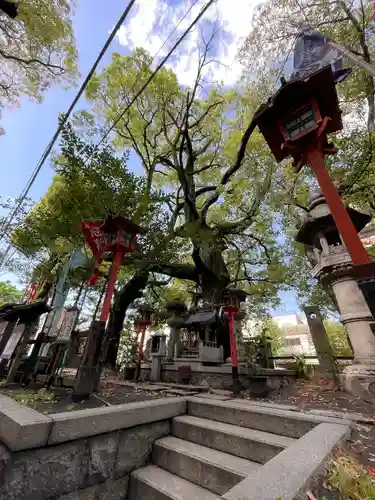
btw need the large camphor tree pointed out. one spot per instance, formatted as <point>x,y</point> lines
<point>196,144</point>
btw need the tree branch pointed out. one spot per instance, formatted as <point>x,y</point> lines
<point>232,170</point>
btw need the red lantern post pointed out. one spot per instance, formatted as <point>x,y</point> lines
<point>232,299</point>
<point>295,122</point>
<point>115,236</point>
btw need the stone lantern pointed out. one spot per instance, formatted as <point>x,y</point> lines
<point>333,267</point>
<point>176,310</point>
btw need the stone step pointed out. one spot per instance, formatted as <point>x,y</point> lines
<point>153,483</point>
<point>282,422</point>
<point>212,469</point>
<point>240,441</point>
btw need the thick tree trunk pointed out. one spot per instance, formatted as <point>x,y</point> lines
<point>131,291</point>
<point>211,268</point>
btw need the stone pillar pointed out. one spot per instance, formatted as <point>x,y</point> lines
<point>356,316</point>
<point>321,343</point>
<point>158,353</point>
<point>359,378</point>
<point>176,308</point>
<point>174,322</point>
<point>88,376</point>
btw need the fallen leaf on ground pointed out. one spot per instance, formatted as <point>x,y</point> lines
<point>310,496</point>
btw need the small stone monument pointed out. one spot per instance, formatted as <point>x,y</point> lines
<point>158,352</point>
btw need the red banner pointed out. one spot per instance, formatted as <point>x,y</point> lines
<point>95,237</point>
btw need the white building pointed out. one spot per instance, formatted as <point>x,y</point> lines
<point>297,336</point>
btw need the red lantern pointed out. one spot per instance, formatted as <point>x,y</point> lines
<point>116,235</point>
<point>295,122</point>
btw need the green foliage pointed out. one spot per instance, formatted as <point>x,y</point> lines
<point>9,294</point>
<point>80,191</point>
<point>347,476</point>
<point>338,338</point>
<point>32,398</point>
<point>300,366</point>
<point>127,352</point>
<point>37,49</point>
<point>263,333</point>
<point>268,330</point>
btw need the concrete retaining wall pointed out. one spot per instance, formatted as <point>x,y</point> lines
<point>220,377</point>
<point>85,454</point>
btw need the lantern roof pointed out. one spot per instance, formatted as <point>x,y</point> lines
<point>318,86</point>
<point>176,305</point>
<point>235,292</point>
<point>144,308</point>
<point>112,223</point>
<point>320,219</point>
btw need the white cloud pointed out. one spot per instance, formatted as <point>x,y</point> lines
<point>233,17</point>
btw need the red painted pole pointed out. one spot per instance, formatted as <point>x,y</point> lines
<point>232,334</point>
<point>231,311</point>
<point>117,259</point>
<point>315,159</point>
<point>140,345</point>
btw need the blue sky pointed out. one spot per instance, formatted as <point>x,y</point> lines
<point>30,127</point>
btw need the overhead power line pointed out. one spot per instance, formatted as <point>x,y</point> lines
<point>153,74</point>
<point>161,64</point>
<point>65,118</point>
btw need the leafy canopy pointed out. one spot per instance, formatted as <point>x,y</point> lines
<point>9,294</point>
<point>37,49</point>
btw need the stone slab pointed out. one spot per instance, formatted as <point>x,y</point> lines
<point>157,484</point>
<point>22,427</point>
<point>243,442</point>
<point>46,472</point>
<point>83,423</point>
<point>215,396</point>
<point>336,414</point>
<point>222,392</point>
<point>356,417</point>
<point>179,392</point>
<point>187,387</point>
<point>211,469</point>
<point>135,446</point>
<point>246,414</point>
<point>287,474</point>
<point>109,490</point>
<point>102,457</point>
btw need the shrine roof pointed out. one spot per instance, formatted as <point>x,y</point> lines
<point>202,318</point>
<point>24,312</point>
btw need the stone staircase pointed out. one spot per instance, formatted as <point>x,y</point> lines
<point>204,458</point>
